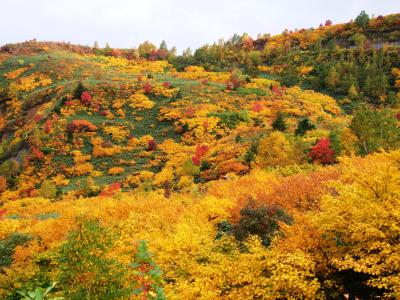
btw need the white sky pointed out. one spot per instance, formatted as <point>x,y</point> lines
<point>127,23</point>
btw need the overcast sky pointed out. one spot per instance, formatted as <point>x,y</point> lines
<point>183,23</point>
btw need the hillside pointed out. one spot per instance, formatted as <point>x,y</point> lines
<point>253,169</point>
<point>141,117</point>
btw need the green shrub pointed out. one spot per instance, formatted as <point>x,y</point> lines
<point>85,271</point>
<point>231,119</point>
<point>48,189</point>
<point>8,245</point>
<point>149,276</point>
<point>262,221</point>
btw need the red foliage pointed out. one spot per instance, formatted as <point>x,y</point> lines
<point>111,189</point>
<point>151,145</point>
<point>257,107</point>
<point>276,90</point>
<point>153,55</point>
<point>201,150</point>
<point>189,113</point>
<point>68,103</point>
<point>167,84</point>
<point>104,113</point>
<point>229,86</point>
<point>116,52</point>
<point>86,98</point>
<point>81,125</point>
<point>398,116</point>
<point>321,153</point>
<point>147,87</point>
<point>162,53</point>
<point>47,126</point>
<point>248,43</point>
<point>2,213</point>
<point>328,23</point>
<point>196,160</point>
<point>27,192</point>
<point>204,81</point>
<point>37,118</point>
<point>37,154</point>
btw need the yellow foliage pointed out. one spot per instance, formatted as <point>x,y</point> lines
<point>115,170</point>
<point>137,179</point>
<point>16,73</point>
<point>361,219</point>
<point>99,150</point>
<point>30,82</point>
<point>140,101</point>
<point>274,150</point>
<point>118,133</point>
<point>159,90</point>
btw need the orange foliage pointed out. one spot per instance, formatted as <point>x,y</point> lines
<point>81,125</point>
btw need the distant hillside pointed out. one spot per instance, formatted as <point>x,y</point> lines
<point>358,60</point>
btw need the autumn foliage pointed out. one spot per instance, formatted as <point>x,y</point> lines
<point>322,153</point>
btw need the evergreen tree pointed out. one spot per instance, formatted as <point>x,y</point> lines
<point>251,153</point>
<point>362,19</point>
<point>335,143</point>
<point>303,126</point>
<point>332,78</point>
<point>79,90</point>
<point>279,123</point>
<point>163,46</point>
<point>392,98</point>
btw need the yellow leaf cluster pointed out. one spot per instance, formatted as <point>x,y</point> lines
<point>140,101</point>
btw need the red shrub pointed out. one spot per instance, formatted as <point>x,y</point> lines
<point>147,87</point>
<point>162,53</point>
<point>229,86</point>
<point>47,126</point>
<point>81,125</point>
<point>276,90</point>
<point>37,118</point>
<point>189,113</point>
<point>116,52</point>
<point>321,153</point>
<point>86,98</point>
<point>201,150</point>
<point>36,153</point>
<point>151,145</point>
<point>196,160</point>
<point>167,84</point>
<point>111,189</point>
<point>257,107</point>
